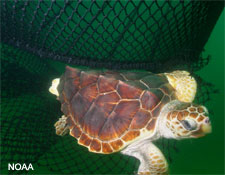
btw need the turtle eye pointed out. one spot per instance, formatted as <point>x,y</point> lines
<point>189,124</point>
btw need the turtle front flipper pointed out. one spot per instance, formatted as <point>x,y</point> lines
<point>61,126</point>
<point>184,84</point>
<point>152,161</point>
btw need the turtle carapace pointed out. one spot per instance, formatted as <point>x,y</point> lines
<point>111,111</point>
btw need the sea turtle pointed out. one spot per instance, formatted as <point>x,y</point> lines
<point>111,111</point>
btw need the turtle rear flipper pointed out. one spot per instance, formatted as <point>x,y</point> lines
<point>53,88</point>
<point>61,126</point>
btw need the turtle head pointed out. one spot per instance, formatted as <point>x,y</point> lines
<point>191,121</point>
<point>184,120</point>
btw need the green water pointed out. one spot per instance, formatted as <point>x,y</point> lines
<point>204,155</point>
<point>195,156</point>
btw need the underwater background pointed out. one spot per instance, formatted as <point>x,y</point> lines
<point>204,155</point>
<point>29,111</point>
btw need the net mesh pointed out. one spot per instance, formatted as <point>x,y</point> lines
<point>153,35</point>
<point>112,34</point>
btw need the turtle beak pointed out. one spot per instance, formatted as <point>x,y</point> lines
<point>205,128</point>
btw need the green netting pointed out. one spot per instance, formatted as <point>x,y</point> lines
<point>154,35</point>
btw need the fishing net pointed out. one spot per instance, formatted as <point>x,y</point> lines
<point>147,35</point>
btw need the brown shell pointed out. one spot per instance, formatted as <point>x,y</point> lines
<point>107,109</point>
